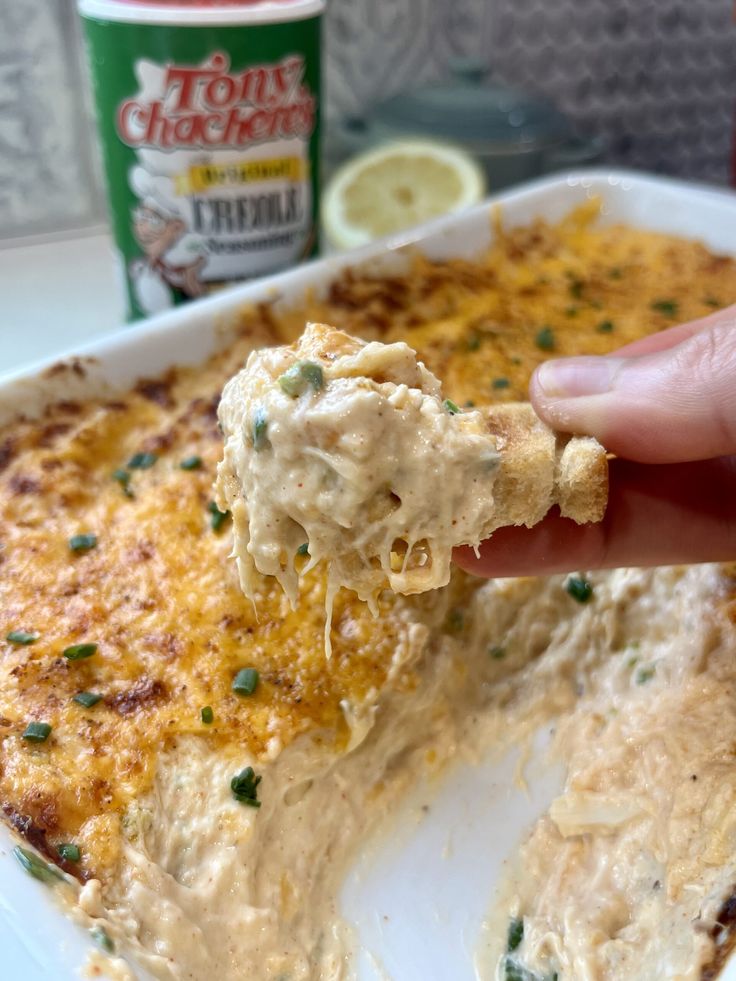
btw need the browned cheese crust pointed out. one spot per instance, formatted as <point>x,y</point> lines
<point>159,595</point>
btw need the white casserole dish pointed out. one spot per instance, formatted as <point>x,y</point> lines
<point>417,900</point>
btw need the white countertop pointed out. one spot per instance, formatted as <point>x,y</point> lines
<point>56,295</point>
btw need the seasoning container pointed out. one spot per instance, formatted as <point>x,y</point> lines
<point>208,117</point>
<point>513,135</point>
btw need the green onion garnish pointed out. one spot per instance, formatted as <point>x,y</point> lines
<point>123,478</point>
<point>300,377</point>
<point>245,681</point>
<point>545,339</point>
<point>644,674</point>
<point>605,327</point>
<point>576,288</point>
<point>473,342</point>
<point>191,463</point>
<point>217,517</point>
<point>70,852</point>
<point>260,426</point>
<point>303,549</point>
<point>455,620</point>
<point>103,939</point>
<point>82,543</point>
<point>497,653</point>
<point>580,589</point>
<point>244,787</point>
<point>87,698</point>
<point>615,273</point>
<point>142,461</point>
<point>450,407</point>
<point>21,638</point>
<point>500,383</point>
<point>37,732</point>
<point>35,866</point>
<point>667,307</point>
<point>78,652</point>
<point>515,934</point>
<point>207,715</point>
<point>711,301</point>
<point>571,311</point>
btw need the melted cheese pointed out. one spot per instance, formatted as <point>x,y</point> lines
<point>143,785</point>
<point>358,460</point>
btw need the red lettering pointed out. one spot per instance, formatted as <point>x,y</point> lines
<point>262,102</point>
<point>220,92</point>
<point>291,72</point>
<point>131,120</point>
<point>183,83</point>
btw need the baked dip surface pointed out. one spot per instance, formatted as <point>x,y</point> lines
<point>216,772</point>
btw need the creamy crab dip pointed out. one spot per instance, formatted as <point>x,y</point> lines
<point>345,452</point>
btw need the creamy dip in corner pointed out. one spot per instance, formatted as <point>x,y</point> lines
<point>344,452</point>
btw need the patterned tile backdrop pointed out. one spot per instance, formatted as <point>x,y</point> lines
<point>654,77</point>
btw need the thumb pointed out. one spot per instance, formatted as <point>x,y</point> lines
<point>668,406</point>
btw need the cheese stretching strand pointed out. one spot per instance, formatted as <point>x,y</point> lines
<point>346,453</point>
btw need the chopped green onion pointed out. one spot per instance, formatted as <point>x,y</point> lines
<point>21,638</point>
<point>711,301</point>
<point>244,787</point>
<point>245,681</point>
<point>87,698</point>
<point>217,517</point>
<point>303,549</point>
<point>667,307</point>
<point>207,715</point>
<point>470,404</point>
<point>545,339</point>
<point>35,866</point>
<point>142,461</point>
<point>580,589</point>
<point>605,327</point>
<point>571,312</point>
<point>644,674</point>
<point>615,273</point>
<point>576,288</point>
<point>37,732</point>
<point>260,427</point>
<point>70,852</point>
<point>300,377</point>
<point>514,971</point>
<point>515,934</point>
<point>455,620</point>
<point>82,543</point>
<point>450,406</point>
<point>497,653</point>
<point>473,342</point>
<point>500,383</point>
<point>123,478</point>
<point>103,939</point>
<point>78,652</point>
<point>516,360</point>
<point>191,463</point>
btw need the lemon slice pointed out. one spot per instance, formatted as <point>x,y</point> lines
<point>395,186</point>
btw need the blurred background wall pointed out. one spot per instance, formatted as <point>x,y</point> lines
<point>655,78</point>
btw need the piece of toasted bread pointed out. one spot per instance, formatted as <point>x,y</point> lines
<point>540,468</point>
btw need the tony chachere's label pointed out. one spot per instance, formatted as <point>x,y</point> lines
<point>211,160</point>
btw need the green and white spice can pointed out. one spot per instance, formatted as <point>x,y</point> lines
<point>208,116</point>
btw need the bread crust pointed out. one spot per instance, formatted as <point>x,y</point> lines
<point>541,468</point>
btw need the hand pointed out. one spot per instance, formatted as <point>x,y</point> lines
<point>666,406</point>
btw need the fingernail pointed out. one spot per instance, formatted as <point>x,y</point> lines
<point>574,377</point>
